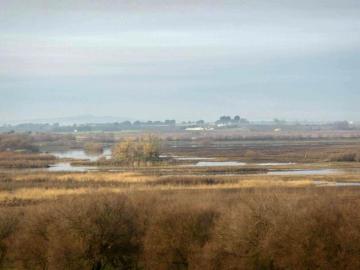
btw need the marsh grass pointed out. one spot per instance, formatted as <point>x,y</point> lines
<point>25,160</point>
<point>44,186</point>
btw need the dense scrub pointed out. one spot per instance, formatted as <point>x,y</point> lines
<point>249,229</point>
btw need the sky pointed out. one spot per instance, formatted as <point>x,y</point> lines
<point>180,59</point>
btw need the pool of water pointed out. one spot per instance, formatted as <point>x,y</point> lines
<point>81,154</point>
<point>200,162</point>
<point>67,167</point>
<point>76,154</point>
<point>204,163</point>
<point>191,158</point>
<point>307,172</point>
<point>336,184</point>
<point>217,163</point>
<point>275,164</point>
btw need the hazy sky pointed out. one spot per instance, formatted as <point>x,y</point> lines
<point>180,59</point>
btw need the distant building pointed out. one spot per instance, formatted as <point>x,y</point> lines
<point>199,128</point>
<point>195,129</point>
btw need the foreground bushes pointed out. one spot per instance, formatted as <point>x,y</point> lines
<point>81,234</point>
<point>283,229</point>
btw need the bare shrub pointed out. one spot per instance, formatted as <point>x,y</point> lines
<point>278,232</point>
<point>8,226</point>
<point>30,248</point>
<point>89,233</point>
<point>137,151</point>
<point>176,237</point>
<point>315,228</point>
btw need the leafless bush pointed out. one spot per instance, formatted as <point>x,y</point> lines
<point>8,225</point>
<point>176,237</point>
<point>246,229</point>
<point>88,233</point>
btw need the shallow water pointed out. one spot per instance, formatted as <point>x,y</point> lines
<point>192,158</point>
<point>81,154</point>
<point>217,163</point>
<point>200,162</point>
<point>67,167</point>
<point>276,164</point>
<point>307,172</point>
<point>76,154</point>
<point>336,184</point>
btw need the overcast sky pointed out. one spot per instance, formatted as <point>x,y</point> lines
<point>191,59</point>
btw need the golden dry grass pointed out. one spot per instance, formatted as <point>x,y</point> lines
<point>90,176</point>
<point>44,186</point>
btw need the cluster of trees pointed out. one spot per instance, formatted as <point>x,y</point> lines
<point>227,120</point>
<point>136,151</point>
<point>117,126</point>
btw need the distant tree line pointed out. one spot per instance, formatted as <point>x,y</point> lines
<point>172,125</point>
<point>236,120</point>
<point>126,125</point>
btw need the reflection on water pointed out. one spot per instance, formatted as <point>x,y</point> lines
<point>201,162</point>
<point>185,158</point>
<point>192,158</point>
<point>307,172</point>
<point>81,154</point>
<point>76,154</point>
<point>67,167</point>
<point>336,184</point>
<point>218,163</point>
<point>275,164</point>
<point>230,163</point>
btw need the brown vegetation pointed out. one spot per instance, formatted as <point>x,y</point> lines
<point>12,142</point>
<point>346,157</point>
<point>25,160</point>
<point>92,147</point>
<point>137,151</point>
<point>165,216</point>
<point>239,229</point>
<point>307,150</point>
